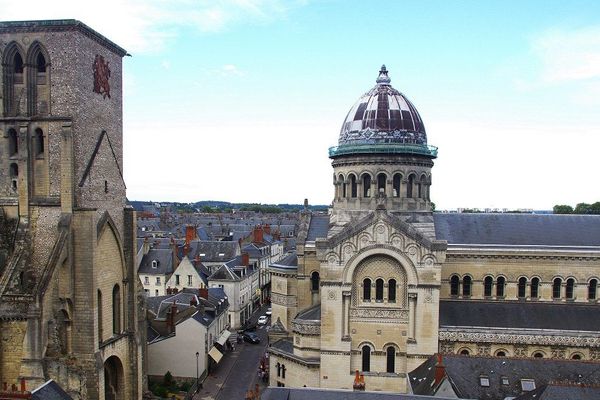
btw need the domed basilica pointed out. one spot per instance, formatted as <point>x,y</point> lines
<point>381,283</point>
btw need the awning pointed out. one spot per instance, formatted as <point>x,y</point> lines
<point>223,338</point>
<point>215,354</point>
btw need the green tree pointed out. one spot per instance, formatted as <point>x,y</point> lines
<point>582,208</point>
<point>595,208</point>
<point>432,206</point>
<point>562,209</point>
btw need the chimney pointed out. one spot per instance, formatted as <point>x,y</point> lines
<point>146,246</point>
<point>190,234</point>
<point>305,204</point>
<point>246,259</point>
<point>257,235</point>
<point>203,292</point>
<point>174,253</point>
<point>171,318</point>
<point>440,371</point>
<point>193,301</point>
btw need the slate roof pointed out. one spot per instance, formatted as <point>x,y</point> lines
<point>310,314</point>
<point>319,225</point>
<point>518,229</point>
<point>521,315</point>
<point>290,260</point>
<point>284,345</point>
<point>224,273</point>
<point>284,393</point>
<point>50,391</point>
<point>213,251</point>
<point>164,257</point>
<point>464,373</point>
<point>562,392</point>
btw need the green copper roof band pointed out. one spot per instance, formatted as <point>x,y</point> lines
<point>384,148</point>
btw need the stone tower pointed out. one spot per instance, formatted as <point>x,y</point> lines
<point>68,308</point>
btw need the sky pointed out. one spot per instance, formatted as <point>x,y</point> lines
<point>239,100</point>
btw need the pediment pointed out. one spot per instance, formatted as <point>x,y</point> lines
<point>384,230</point>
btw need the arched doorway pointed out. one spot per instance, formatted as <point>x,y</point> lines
<point>113,379</point>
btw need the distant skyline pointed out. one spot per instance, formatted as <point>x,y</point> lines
<point>239,100</point>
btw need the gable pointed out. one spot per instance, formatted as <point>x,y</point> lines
<point>103,173</point>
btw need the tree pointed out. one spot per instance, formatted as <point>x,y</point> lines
<point>582,208</point>
<point>562,209</point>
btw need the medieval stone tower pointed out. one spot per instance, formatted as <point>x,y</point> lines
<point>67,282</point>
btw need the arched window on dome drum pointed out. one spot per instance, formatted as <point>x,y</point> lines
<point>454,283</point>
<point>592,289</point>
<point>570,289</point>
<point>381,178</point>
<point>390,360</point>
<point>342,183</point>
<point>396,184</point>
<point>353,186</point>
<point>366,358</point>
<point>379,290</point>
<point>419,190</point>
<point>535,287</point>
<point>522,288</point>
<point>500,284</point>
<point>13,143</point>
<point>314,281</point>
<point>366,181</point>
<point>466,289</point>
<point>488,283</point>
<point>367,289</point>
<point>556,284</point>
<point>409,186</point>
<point>392,290</point>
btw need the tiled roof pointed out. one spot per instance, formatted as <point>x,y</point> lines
<point>518,229</point>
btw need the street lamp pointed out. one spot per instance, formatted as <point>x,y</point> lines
<point>197,377</point>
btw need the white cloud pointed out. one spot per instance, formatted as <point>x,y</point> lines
<point>569,55</point>
<point>145,25</point>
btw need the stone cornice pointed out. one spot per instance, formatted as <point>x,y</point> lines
<point>537,337</point>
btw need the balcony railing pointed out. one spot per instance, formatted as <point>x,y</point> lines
<point>384,148</point>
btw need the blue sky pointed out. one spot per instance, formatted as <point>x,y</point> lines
<point>239,100</point>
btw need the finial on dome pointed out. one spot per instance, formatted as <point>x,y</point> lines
<point>383,78</point>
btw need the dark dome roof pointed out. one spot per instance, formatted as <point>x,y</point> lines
<point>383,115</point>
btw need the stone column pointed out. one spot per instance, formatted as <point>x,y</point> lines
<point>345,314</point>
<point>412,322</point>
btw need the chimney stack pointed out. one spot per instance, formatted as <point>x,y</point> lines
<point>171,317</point>
<point>258,234</point>
<point>146,246</point>
<point>190,234</point>
<point>203,292</point>
<point>440,370</point>
<point>245,259</point>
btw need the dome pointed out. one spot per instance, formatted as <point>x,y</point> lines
<point>383,115</point>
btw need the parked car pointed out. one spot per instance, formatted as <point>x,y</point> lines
<point>269,311</point>
<point>251,337</point>
<point>263,319</point>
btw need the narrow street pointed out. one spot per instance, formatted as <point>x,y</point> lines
<point>238,371</point>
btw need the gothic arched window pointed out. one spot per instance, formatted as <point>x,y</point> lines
<point>99,315</point>
<point>38,142</point>
<point>13,143</point>
<point>116,309</point>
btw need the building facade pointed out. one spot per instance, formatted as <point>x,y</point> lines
<point>69,292</point>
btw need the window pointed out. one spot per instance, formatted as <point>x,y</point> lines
<point>156,292</point>
<point>527,385</point>
<point>116,309</point>
<point>464,352</point>
<point>522,287</point>
<point>419,190</point>
<point>343,184</point>
<point>390,359</point>
<point>488,282</point>
<point>570,289</point>
<point>280,384</point>
<point>14,175</point>
<point>146,280</point>
<point>535,288</point>
<point>454,283</point>
<point>396,185</point>
<point>466,290</point>
<point>314,281</point>
<point>366,358</point>
<point>282,371</point>
<point>504,380</point>
<point>154,264</point>
<point>556,284</point>
<point>379,290</point>
<point>409,186</point>
<point>381,178</point>
<point>500,354</point>
<point>177,280</point>
<point>576,357</point>
<point>353,186</point>
<point>190,282</point>
<point>41,63</point>
<point>392,291</point>
<point>38,142</point>
<point>18,64</point>
<point>538,355</point>
<point>592,288</point>
<point>158,280</point>
<point>366,181</point>
<point>500,283</point>
<point>278,370</point>
<point>367,289</point>
<point>484,381</point>
<point>99,315</point>
<point>13,143</point>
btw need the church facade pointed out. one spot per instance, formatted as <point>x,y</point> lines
<point>68,287</point>
<point>381,283</point>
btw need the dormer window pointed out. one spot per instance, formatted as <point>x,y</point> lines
<point>504,380</point>
<point>154,264</point>
<point>220,254</point>
<point>484,381</point>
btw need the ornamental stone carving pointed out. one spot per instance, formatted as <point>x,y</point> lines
<point>447,348</point>
<point>557,352</point>
<point>520,351</point>
<point>306,327</point>
<point>483,349</point>
<point>283,300</point>
<point>510,338</point>
<point>595,354</point>
<point>379,313</point>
